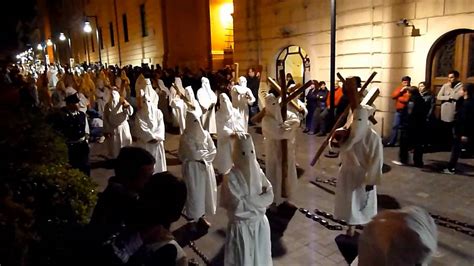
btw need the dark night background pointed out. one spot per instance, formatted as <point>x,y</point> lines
<point>10,13</point>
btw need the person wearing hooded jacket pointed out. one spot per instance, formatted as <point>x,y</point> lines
<point>116,115</point>
<point>246,193</point>
<point>150,127</point>
<point>196,152</point>
<point>242,98</point>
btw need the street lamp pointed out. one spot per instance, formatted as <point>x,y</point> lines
<point>49,42</point>
<point>62,38</point>
<point>39,47</point>
<point>88,29</point>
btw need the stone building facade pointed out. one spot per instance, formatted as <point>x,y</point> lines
<point>368,39</point>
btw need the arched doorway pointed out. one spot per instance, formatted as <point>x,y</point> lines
<point>453,50</point>
<point>291,60</point>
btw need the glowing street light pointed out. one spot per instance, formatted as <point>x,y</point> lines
<point>87,27</point>
<point>62,37</point>
<point>39,47</point>
<point>49,42</point>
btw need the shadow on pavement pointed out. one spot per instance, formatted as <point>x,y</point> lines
<point>107,164</point>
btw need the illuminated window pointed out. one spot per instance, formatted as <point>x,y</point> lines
<point>112,38</point>
<point>143,20</point>
<point>125,27</point>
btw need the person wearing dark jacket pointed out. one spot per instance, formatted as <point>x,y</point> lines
<point>412,125</point>
<point>430,102</point>
<point>463,130</point>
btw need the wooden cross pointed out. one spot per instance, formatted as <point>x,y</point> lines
<point>369,101</point>
<point>289,99</point>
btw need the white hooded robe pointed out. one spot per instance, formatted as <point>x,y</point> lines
<point>164,93</point>
<point>196,152</point>
<point>274,130</point>
<point>246,193</point>
<point>116,124</point>
<point>150,126</point>
<point>228,123</point>
<point>102,95</point>
<point>189,93</point>
<point>361,164</point>
<point>242,98</point>
<point>178,105</point>
<point>207,99</point>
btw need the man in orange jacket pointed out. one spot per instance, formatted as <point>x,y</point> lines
<point>401,97</point>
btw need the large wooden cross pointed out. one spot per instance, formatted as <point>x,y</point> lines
<point>369,99</point>
<point>290,99</point>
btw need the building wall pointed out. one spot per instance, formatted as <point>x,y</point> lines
<point>139,49</point>
<point>368,38</point>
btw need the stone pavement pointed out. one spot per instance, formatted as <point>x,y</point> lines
<point>308,243</point>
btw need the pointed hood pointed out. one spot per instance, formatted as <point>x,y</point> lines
<point>245,160</point>
<point>194,129</point>
<point>272,107</point>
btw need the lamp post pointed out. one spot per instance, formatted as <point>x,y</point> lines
<point>62,38</point>
<point>88,29</point>
<point>42,47</point>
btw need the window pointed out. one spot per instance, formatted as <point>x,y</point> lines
<point>112,39</point>
<point>101,40</point>
<point>92,43</point>
<point>143,20</point>
<point>125,27</point>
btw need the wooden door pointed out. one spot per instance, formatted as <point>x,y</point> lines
<point>453,52</point>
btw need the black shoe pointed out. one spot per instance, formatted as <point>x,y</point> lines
<point>305,130</point>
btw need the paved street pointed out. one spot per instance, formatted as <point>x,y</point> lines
<point>308,243</point>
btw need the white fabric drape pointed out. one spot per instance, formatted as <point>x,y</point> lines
<point>150,129</point>
<point>116,124</point>
<point>228,124</point>
<point>242,97</point>
<point>196,152</point>
<point>361,164</point>
<point>207,100</point>
<point>245,194</point>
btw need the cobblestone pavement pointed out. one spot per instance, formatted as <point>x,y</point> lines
<point>308,243</point>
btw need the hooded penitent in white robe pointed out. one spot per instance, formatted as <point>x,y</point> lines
<point>102,96</point>
<point>246,193</point>
<point>52,76</point>
<point>207,100</point>
<point>190,96</point>
<point>399,237</point>
<point>150,128</point>
<point>163,103</point>
<point>228,124</point>
<point>361,164</point>
<point>242,97</point>
<point>116,124</point>
<point>178,106</point>
<point>196,152</point>
<point>274,131</point>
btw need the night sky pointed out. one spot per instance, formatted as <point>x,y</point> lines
<point>11,12</point>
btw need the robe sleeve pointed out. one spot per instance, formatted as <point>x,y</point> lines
<point>251,99</point>
<point>272,130</point>
<point>145,133</point>
<point>160,133</point>
<point>374,169</point>
<point>210,154</point>
<point>261,200</point>
<point>188,151</point>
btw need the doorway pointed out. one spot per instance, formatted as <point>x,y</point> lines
<point>291,60</point>
<point>453,51</point>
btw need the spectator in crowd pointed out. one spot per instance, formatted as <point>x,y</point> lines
<point>398,237</point>
<point>448,95</point>
<point>400,95</point>
<point>319,122</point>
<point>430,103</point>
<point>463,125</point>
<point>289,80</point>
<point>253,83</point>
<point>412,128</point>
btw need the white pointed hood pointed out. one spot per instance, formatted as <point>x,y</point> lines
<point>245,160</point>
<point>194,129</point>
<point>359,126</point>
<point>115,99</point>
<point>179,85</point>
<point>242,87</point>
<point>272,107</point>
